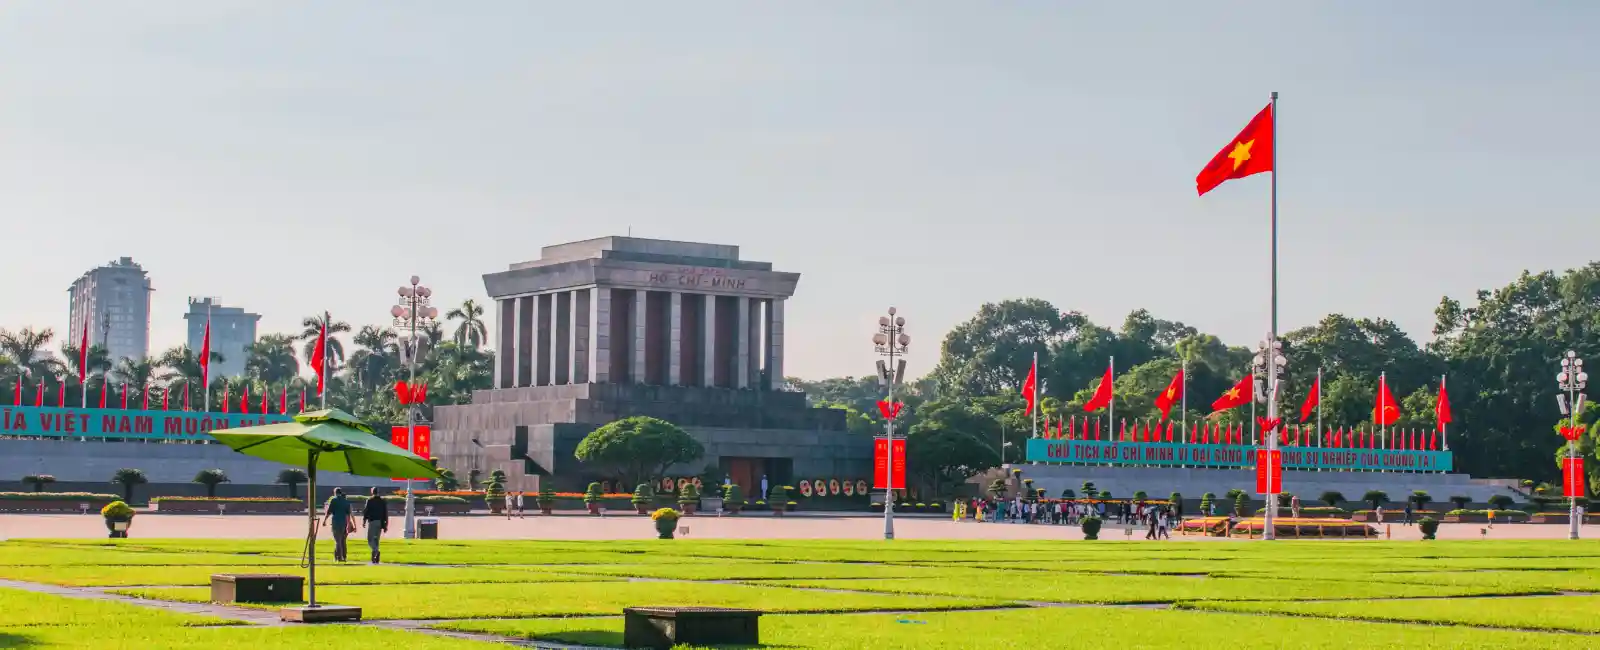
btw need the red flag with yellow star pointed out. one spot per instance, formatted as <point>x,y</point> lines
<point>1171,395</point>
<point>1386,411</point>
<point>1249,153</point>
<point>1237,396</point>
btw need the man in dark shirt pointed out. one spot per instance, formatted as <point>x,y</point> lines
<point>338,510</point>
<point>376,518</point>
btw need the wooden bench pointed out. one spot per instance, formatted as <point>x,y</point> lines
<point>665,627</point>
<point>257,588</point>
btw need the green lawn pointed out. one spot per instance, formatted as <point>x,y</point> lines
<point>840,594</point>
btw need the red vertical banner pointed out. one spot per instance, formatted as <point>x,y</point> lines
<point>1269,471</point>
<point>422,446</point>
<point>1572,475</point>
<point>399,437</point>
<point>881,457</point>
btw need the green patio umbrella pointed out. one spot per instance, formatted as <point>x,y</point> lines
<point>328,439</point>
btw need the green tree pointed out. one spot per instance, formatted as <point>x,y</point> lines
<point>311,329</point>
<point>211,478</point>
<point>292,477</point>
<point>377,355</point>
<point>129,478</point>
<point>942,458</point>
<point>26,348</point>
<point>470,331</point>
<point>1332,497</point>
<point>73,366</point>
<point>270,360</point>
<point>447,481</point>
<point>638,448</point>
<point>38,481</point>
<point>182,365</point>
<point>1375,498</point>
<point>138,374</point>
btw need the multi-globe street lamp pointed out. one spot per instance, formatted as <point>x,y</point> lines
<point>1572,379</point>
<point>890,341</point>
<point>1268,367</point>
<point>411,312</point>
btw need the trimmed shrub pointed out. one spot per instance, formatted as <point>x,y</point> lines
<point>1332,497</point>
<point>643,495</point>
<point>1429,527</point>
<point>593,494</point>
<point>1241,504</point>
<point>1091,527</point>
<point>1501,502</point>
<point>733,495</point>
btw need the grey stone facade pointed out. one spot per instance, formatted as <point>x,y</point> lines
<point>609,328</point>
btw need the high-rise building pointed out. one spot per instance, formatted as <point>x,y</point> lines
<point>114,301</point>
<point>232,331</point>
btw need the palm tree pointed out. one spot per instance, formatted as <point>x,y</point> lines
<point>99,361</point>
<point>271,359</point>
<point>312,328</point>
<point>26,349</point>
<point>211,478</point>
<point>471,331</point>
<point>38,481</point>
<point>377,352</point>
<point>137,374</point>
<point>183,365</point>
<point>129,477</point>
<point>292,477</point>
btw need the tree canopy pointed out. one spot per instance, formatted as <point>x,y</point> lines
<point>638,448</point>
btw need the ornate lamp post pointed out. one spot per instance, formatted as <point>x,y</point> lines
<point>1572,379</point>
<point>890,341</point>
<point>1267,366</point>
<point>411,312</point>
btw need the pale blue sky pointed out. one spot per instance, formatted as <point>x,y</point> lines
<point>929,155</point>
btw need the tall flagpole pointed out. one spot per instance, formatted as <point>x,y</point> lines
<point>1111,410</point>
<point>323,375</point>
<point>1383,409</point>
<point>1320,434</point>
<point>1183,392</point>
<point>1444,427</point>
<point>1037,403</point>
<point>205,376</point>
<point>1268,529</point>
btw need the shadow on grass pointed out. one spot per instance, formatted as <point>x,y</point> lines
<point>9,640</point>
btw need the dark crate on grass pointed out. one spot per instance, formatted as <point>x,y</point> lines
<point>257,588</point>
<point>665,627</point>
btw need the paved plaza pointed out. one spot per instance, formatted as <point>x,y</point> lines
<point>630,526</point>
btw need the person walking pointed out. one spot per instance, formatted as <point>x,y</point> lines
<point>376,518</point>
<point>338,512</point>
<point>511,503</point>
<point>1407,520</point>
<point>520,511</point>
<point>1294,506</point>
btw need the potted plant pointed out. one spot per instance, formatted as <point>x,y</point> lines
<point>1461,502</point>
<point>592,498</point>
<point>1241,504</point>
<point>1205,503</point>
<point>644,496</point>
<point>1091,527</point>
<point>547,498</point>
<point>1429,527</point>
<point>666,520</point>
<point>119,518</point>
<point>778,496</point>
<point>790,506</point>
<point>788,491</point>
<point>688,497</point>
<point>494,495</point>
<point>733,498</point>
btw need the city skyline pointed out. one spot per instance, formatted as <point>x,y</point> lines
<point>931,159</point>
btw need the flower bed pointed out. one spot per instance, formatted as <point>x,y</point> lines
<point>231,505</point>
<point>1313,512</point>
<point>53,501</point>
<point>1304,527</point>
<point>1391,516</point>
<point>1208,526</point>
<point>1482,516</point>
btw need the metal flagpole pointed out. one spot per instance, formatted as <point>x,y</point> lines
<point>1035,396</point>
<point>1268,530</point>
<point>1111,410</point>
<point>1444,427</point>
<point>1320,434</point>
<point>1383,411</point>
<point>205,377</point>
<point>1183,391</point>
<point>323,393</point>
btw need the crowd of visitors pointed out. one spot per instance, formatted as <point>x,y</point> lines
<point>1158,516</point>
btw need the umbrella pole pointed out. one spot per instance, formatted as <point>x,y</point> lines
<point>311,532</point>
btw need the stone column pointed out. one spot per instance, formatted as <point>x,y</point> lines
<point>775,342</point>
<point>675,340</point>
<point>578,350</point>
<point>741,346</point>
<point>641,334</point>
<point>753,342</point>
<point>708,350</point>
<point>505,357</point>
<point>600,335</point>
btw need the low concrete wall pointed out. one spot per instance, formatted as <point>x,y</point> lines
<point>89,465</point>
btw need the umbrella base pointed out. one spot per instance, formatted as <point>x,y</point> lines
<point>320,614</point>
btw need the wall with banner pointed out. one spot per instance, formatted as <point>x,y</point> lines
<point>59,422</point>
<point>1176,454</point>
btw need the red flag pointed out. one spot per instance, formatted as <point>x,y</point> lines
<point>16,393</point>
<point>144,397</point>
<point>264,404</point>
<point>1441,408</point>
<point>1413,440</point>
<point>185,396</point>
<point>1122,429</point>
<point>1312,399</point>
<point>1030,387</point>
<point>1249,153</point>
<point>244,399</point>
<point>1171,395</point>
<point>103,390</point>
<point>165,393</point>
<point>205,356</point>
<point>1102,394</point>
<point>1237,396</point>
<point>224,398</point>
<point>1386,411</point>
<point>1169,430</point>
<point>302,399</point>
<point>1097,428</point>
<point>61,394</point>
<point>124,396</point>
<point>83,357</point>
<point>1433,440</point>
<point>319,359</point>
<point>38,395</point>
<point>283,400</point>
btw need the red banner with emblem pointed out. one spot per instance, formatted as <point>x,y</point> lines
<point>1269,471</point>
<point>400,437</point>
<point>1572,475</point>
<point>880,462</point>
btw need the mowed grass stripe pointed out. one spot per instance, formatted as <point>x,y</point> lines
<point>129,635</point>
<point>1568,613</point>
<point>586,598</point>
<point>20,608</point>
<point>333,574</point>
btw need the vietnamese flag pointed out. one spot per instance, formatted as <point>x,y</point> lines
<point>61,394</point>
<point>1102,393</point>
<point>1313,398</point>
<point>1247,154</point>
<point>224,398</point>
<point>1441,408</point>
<point>264,404</point>
<point>165,393</point>
<point>1386,411</point>
<point>144,397</point>
<point>283,401</point>
<point>1171,395</point>
<point>1235,397</point>
<point>103,391</point>
<point>124,396</point>
<point>244,399</point>
<point>319,357</point>
<point>16,393</point>
<point>205,354</point>
<point>83,358</point>
<point>1030,386</point>
<point>38,395</point>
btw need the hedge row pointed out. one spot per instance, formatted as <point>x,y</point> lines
<point>57,496</point>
